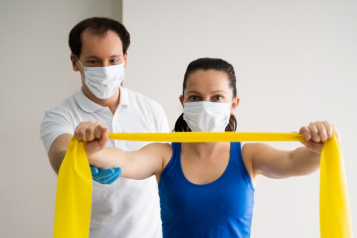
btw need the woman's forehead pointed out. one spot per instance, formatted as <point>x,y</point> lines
<point>210,79</point>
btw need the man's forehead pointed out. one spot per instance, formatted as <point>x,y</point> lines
<point>90,34</point>
<point>97,44</point>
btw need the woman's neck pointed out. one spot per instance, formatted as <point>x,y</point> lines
<point>204,150</point>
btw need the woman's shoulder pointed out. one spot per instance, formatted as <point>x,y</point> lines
<point>157,146</point>
<point>248,152</point>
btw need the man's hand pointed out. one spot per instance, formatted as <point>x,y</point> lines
<point>105,176</point>
<point>317,133</point>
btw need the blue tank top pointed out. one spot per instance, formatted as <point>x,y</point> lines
<point>222,208</point>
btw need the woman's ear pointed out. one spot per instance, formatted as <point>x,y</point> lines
<point>234,104</point>
<point>181,99</point>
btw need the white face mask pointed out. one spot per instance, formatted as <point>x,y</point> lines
<point>207,116</point>
<point>103,82</point>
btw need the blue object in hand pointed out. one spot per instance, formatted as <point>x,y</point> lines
<point>105,176</point>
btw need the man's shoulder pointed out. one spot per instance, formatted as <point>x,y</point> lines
<point>67,104</point>
<point>138,99</point>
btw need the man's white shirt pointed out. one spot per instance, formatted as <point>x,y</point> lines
<point>127,208</point>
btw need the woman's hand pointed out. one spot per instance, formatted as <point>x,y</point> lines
<point>95,133</point>
<point>317,133</point>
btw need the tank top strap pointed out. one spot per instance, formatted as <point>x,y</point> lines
<point>176,155</point>
<point>237,163</point>
<point>169,171</point>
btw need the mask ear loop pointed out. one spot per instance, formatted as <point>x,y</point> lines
<point>230,109</point>
<point>83,69</point>
<point>79,61</point>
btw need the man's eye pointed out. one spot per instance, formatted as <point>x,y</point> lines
<point>92,62</point>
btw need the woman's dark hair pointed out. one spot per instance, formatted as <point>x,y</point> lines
<point>98,26</point>
<point>209,64</point>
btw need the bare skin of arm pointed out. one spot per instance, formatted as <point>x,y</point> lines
<point>263,159</point>
<point>278,164</point>
<point>141,164</point>
<point>58,150</point>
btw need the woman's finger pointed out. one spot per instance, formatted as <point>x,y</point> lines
<point>81,131</point>
<point>305,132</point>
<point>89,132</point>
<point>322,131</point>
<point>337,133</point>
<point>104,138</point>
<point>98,130</point>
<point>329,129</point>
<point>314,132</point>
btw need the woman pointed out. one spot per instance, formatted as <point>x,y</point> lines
<point>207,189</point>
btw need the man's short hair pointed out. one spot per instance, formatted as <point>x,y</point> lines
<point>98,26</point>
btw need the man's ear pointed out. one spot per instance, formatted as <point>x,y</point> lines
<point>126,60</point>
<point>74,62</point>
<point>235,103</point>
<point>181,99</point>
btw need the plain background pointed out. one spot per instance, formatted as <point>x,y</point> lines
<point>295,61</point>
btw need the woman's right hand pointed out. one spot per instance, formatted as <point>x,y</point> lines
<point>95,133</point>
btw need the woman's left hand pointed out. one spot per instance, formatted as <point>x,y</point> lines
<point>316,133</point>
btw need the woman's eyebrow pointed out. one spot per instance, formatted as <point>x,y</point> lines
<point>217,91</point>
<point>193,92</point>
<point>95,57</point>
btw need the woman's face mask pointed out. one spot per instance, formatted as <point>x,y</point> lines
<point>207,116</point>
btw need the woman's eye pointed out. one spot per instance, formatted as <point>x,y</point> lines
<point>92,62</point>
<point>217,98</point>
<point>113,61</point>
<point>194,98</point>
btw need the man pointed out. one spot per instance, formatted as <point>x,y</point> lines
<point>124,208</point>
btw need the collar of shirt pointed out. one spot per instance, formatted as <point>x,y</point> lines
<point>89,106</point>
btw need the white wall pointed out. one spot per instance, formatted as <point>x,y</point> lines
<point>296,62</point>
<point>36,74</point>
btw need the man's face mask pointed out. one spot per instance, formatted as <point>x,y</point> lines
<point>103,82</point>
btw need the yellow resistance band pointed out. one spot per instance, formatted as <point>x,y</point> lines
<point>74,184</point>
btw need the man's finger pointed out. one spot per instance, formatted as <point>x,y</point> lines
<point>105,173</point>
<point>113,179</point>
<point>94,170</point>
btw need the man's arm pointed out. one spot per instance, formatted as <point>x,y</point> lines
<point>58,150</point>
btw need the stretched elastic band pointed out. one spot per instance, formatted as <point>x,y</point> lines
<point>74,184</point>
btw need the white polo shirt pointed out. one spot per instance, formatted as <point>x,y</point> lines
<point>127,208</point>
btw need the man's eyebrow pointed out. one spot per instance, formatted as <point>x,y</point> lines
<point>92,56</point>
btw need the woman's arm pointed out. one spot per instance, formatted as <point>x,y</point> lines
<point>274,163</point>
<point>139,164</point>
